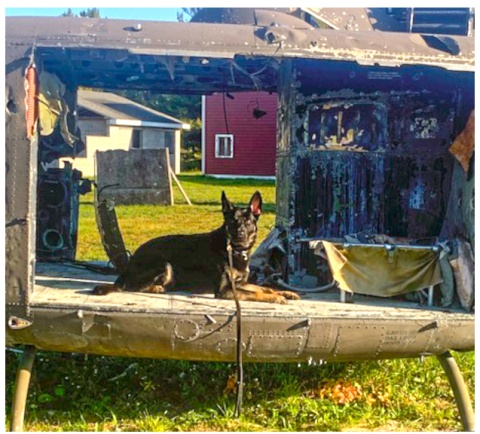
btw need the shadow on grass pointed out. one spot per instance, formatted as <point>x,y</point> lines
<point>227,182</point>
<point>185,394</point>
<point>73,393</point>
<point>267,207</point>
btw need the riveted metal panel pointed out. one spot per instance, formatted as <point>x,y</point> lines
<point>174,335</point>
<point>21,182</point>
<point>228,41</point>
<point>320,335</point>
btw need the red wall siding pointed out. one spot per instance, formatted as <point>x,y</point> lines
<point>254,140</point>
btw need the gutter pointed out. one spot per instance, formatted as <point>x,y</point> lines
<point>138,123</point>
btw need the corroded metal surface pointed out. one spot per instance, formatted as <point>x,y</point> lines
<point>194,336</point>
<point>199,327</point>
<point>365,150</point>
<point>21,182</point>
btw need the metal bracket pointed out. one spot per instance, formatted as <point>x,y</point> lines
<point>391,252</point>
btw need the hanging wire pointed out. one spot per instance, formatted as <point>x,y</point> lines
<point>225,114</point>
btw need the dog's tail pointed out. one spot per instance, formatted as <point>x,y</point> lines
<point>165,278</point>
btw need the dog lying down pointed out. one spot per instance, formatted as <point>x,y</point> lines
<point>200,262</point>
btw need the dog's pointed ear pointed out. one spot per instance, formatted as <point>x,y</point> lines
<point>256,204</point>
<point>226,204</point>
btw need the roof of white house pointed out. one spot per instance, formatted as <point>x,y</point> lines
<point>123,111</point>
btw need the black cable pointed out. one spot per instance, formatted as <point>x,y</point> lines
<point>104,187</point>
<point>238,403</point>
<point>225,114</point>
<point>101,269</point>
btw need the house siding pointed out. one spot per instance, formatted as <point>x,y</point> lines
<point>92,127</point>
<point>254,140</point>
<point>118,138</point>
<point>153,138</point>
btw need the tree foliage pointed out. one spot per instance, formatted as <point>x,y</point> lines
<point>191,12</point>
<point>185,107</point>
<point>86,13</point>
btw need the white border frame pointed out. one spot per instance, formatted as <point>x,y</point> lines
<point>221,136</point>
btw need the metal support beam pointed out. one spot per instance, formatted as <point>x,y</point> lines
<point>460,390</point>
<point>430,296</point>
<point>21,387</point>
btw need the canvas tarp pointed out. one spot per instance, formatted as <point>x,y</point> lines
<point>464,145</point>
<point>53,107</point>
<point>374,270</point>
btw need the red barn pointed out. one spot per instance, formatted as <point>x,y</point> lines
<point>239,134</point>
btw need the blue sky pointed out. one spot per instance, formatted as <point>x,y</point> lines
<point>157,14</point>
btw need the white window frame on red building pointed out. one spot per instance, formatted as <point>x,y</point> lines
<point>217,145</point>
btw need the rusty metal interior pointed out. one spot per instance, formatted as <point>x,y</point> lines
<point>376,81</point>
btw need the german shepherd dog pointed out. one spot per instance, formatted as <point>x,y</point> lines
<point>200,262</point>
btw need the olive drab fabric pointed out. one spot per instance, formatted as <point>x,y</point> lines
<point>52,107</point>
<point>374,270</point>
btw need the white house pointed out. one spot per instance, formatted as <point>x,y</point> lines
<point>109,121</point>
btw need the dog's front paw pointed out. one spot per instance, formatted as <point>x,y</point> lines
<point>104,289</point>
<point>290,295</point>
<point>276,298</point>
<point>99,290</point>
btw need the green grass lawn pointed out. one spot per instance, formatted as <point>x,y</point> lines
<point>72,392</point>
<point>140,223</point>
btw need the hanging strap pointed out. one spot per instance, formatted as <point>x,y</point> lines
<point>238,404</point>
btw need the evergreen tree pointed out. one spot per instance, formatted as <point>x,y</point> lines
<point>68,13</point>
<point>90,13</point>
<point>191,12</point>
<point>86,13</point>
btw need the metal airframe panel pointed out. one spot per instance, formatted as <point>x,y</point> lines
<point>229,41</point>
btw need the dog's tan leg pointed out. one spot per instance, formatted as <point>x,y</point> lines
<point>261,296</point>
<point>287,294</point>
<point>252,294</point>
<point>105,289</point>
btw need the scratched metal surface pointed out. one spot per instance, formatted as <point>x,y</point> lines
<point>365,150</point>
<point>21,182</point>
<point>199,327</point>
<point>228,41</point>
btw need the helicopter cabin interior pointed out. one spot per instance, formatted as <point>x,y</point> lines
<point>367,180</point>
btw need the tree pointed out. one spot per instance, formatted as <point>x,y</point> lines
<point>188,108</point>
<point>86,13</point>
<point>69,13</point>
<point>90,13</point>
<point>191,12</point>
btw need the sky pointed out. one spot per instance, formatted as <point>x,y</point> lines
<point>157,14</point>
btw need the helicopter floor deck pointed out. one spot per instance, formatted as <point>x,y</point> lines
<point>70,286</point>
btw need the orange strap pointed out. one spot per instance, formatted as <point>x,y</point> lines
<point>31,100</point>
